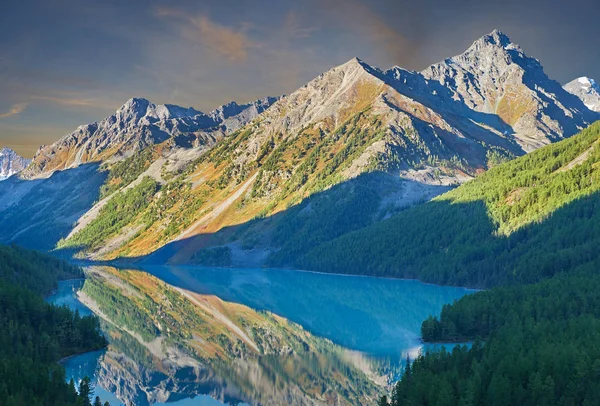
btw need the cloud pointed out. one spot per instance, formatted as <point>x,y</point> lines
<point>66,101</point>
<point>231,44</point>
<point>14,110</point>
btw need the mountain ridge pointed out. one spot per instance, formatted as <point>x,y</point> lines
<point>417,133</point>
<point>137,124</point>
<point>296,149</point>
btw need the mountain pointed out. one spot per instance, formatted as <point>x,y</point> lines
<point>520,222</point>
<point>495,76</point>
<point>11,163</point>
<point>67,178</point>
<point>292,179</point>
<point>587,90</point>
<point>352,147</point>
<point>139,124</point>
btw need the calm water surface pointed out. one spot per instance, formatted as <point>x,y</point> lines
<point>377,318</point>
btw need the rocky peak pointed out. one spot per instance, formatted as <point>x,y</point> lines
<point>332,97</point>
<point>588,83</point>
<point>495,77</point>
<point>226,110</point>
<point>587,90</point>
<point>138,108</point>
<point>133,109</point>
<point>489,56</point>
<point>232,115</point>
<point>11,163</point>
<point>496,38</point>
<point>137,124</point>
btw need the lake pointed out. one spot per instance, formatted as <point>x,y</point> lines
<point>249,335</point>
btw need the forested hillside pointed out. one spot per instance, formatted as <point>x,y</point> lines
<point>531,224</point>
<point>522,221</point>
<point>34,335</point>
<point>541,347</point>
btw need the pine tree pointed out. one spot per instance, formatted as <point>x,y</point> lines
<point>85,391</point>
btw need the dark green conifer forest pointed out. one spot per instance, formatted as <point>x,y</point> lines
<point>35,335</point>
<point>529,230</point>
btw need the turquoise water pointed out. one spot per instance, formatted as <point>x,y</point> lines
<point>373,315</point>
<point>379,318</point>
<point>66,295</point>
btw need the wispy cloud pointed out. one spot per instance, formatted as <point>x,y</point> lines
<point>14,110</point>
<point>229,43</point>
<point>65,101</point>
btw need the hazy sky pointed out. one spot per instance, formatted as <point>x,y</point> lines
<point>69,62</point>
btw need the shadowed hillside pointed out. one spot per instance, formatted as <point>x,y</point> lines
<point>539,210</point>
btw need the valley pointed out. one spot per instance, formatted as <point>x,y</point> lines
<point>390,237</point>
<point>230,187</point>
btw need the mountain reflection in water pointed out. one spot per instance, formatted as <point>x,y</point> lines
<point>222,333</point>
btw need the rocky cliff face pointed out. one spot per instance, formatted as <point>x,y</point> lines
<point>496,85</point>
<point>11,163</point>
<point>587,90</point>
<point>136,125</point>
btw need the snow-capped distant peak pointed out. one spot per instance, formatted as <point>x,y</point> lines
<point>587,90</point>
<point>11,163</point>
<point>586,82</point>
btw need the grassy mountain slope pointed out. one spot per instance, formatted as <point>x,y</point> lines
<point>346,122</point>
<point>520,221</point>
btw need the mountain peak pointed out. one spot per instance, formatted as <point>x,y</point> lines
<point>11,163</point>
<point>138,107</point>
<point>495,43</point>
<point>357,63</point>
<point>137,124</point>
<point>587,90</point>
<point>496,37</point>
<point>135,103</point>
<point>134,108</point>
<point>587,82</point>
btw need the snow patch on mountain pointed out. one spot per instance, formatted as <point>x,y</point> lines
<point>11,163</point>
<point>587,90</point>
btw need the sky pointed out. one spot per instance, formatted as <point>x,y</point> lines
<point>64,63</point>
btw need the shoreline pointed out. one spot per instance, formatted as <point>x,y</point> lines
<point>187,266</point>
<point>68,357</point>
<point>124,263</point>
<point>55,291</point>
<point>145,266</point>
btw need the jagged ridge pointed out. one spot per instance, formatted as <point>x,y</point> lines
<point>138,124</point>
